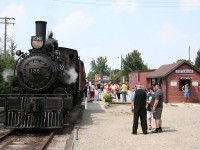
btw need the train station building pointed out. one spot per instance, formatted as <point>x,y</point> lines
<point>172,77</point>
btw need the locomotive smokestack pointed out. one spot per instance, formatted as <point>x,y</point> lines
<point>41,29</point>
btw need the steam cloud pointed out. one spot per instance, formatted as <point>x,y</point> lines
<point>70,76</point>
<point>7,74</point>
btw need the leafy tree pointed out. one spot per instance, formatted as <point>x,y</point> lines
<point>4,64</point>
<point>180,60</point>
<point>7,63</point>
<point>90,76</point>
<point>12,46</point>
<point>116,75</point>
<point>133,62</point>
<point>197,60</point>
<point>98,67</point>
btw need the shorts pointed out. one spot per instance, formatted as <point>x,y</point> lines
<point>157,114</point>
<point>186,94</point>
<point>149,114</point>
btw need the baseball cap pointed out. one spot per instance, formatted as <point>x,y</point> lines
<point>138,83</point>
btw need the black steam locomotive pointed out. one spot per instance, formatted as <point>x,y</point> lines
<point>47,82</point>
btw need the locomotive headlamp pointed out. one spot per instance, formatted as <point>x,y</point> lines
<point>18,53</point>
<point>37,42</point>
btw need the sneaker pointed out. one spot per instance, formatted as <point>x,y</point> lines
<point>156,130</point>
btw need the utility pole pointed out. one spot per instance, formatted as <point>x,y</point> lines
<point>5,34</point>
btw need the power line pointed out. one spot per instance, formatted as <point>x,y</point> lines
<point>5,34</point>
<point>135,4</point>
<point>167,2</point>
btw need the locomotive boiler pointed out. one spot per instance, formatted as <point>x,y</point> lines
<point>47,82</point>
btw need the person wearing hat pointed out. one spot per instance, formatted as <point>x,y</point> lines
<point>138,107</point>
<point>157,108</point>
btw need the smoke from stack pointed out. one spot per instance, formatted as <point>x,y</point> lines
<point>7,75</point>
<point>70,76</point>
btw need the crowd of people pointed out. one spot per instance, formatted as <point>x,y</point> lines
<point>116,90</point>
<point>146,103</point>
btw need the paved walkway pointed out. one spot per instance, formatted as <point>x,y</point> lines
<point>109,128</point>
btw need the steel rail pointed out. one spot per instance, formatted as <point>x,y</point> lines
<point>6,135</point>
<point>48,140</point>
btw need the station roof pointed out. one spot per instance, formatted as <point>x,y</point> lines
<point>165,70</point>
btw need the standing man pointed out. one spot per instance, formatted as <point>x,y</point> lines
<point>138,107</point>
<point>157,108</point>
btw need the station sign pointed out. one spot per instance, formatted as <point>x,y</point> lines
<point>184,71</point>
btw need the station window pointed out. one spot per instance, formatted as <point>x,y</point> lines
<point>182,83</point>
<point>153,81</point>
<point>156,80</point>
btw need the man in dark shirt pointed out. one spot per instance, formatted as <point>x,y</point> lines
<point>157,108</point>
<point>138,107</point>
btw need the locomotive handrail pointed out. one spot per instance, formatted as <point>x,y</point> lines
<point>18,61</point>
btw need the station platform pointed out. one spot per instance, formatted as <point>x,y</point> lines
<point>109,127</point>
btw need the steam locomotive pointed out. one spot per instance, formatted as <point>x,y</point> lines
<point>47,82</point>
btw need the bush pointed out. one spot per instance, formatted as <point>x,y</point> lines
<point>107,97</point>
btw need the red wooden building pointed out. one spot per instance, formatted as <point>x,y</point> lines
<point>171,77</point>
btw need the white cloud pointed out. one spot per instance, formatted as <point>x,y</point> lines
<point>190,5</point>
<point>168,34</point>
<point>72,24</point>
<point>125,6</point>
<point>14,11</point>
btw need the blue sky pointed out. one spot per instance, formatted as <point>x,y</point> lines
<point>160,30</point>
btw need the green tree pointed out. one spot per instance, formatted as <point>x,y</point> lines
<point>12,46</point>
<point>133,62</point>
<point>98,66</point>
<point>180,60</point>
<point>90,76</point>
<point>116,75</point>
<point>7,63</point>
<point>197,60</point>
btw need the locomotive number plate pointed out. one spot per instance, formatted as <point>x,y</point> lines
<point>34,70</point>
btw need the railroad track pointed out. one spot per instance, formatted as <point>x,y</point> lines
<point>44,139</point>
<point>23,140</point>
